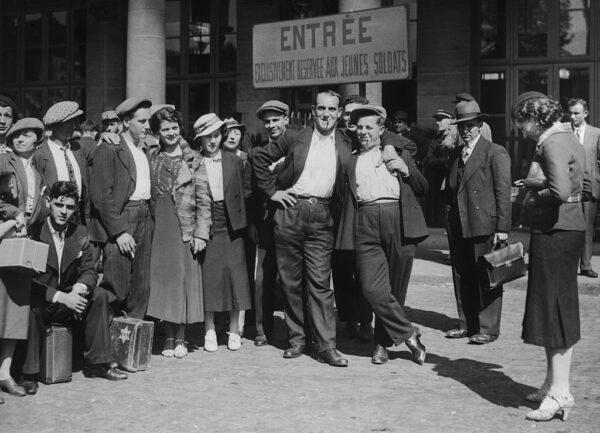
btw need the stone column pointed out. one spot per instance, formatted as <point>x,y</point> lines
<point>373,90</point>
<point>146,56</point>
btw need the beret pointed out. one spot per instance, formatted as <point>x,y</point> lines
<point>442,114</point>
<point>207,124</point>
<point>366,110</point>
<point>273,105</point>
<point>460,97</point>
<point>130,104</point>
<point>109,115</point>
<point>61,112</point>
<point>26,123</point>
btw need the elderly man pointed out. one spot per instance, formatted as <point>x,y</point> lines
<point>478,187</point>
<point>120,214</point>
<point>486,131</point>
<point>8,114</point>
<point>382,198</point>
<point>589,137</point>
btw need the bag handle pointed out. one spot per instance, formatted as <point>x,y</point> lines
<point>499,245</point>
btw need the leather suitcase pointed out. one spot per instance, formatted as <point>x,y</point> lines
<point>57,352</point>
<point>131,343</point>
<point>23,255</point>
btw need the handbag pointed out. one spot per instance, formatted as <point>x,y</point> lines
<point>504,263</point>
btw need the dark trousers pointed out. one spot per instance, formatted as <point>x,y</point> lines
<point>350,303</point>
<point>383,270</point>
<point>479,309</point>
<point>589,211</point>
<point>129,278</point>
<point>303,244</point>
<point>95,323</point>
<point>265,279</point>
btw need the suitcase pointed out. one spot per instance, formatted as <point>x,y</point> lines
<point>23,255</point>
<point>131,343</point>
<point>57,352</point>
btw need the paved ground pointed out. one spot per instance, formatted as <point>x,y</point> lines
<point>461,388</point>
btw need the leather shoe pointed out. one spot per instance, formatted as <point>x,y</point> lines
<point>417,348</point>
<point>260,340</point>
<point>294,351</point>
<point>380,355</point>
<point>482,338</point>
<point>10,386</point>
<point>333,358</point>
<point>104,371</point>
<point>30,385</point>
<point>457,333</point>
<point>589,273</point>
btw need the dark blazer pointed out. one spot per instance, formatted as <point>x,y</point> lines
<point>414,228</point>
<point>13,202</point>
<point>591,144</point>
<point>77,265</point>
<point>44,162</point>
<point>114,175</point>
<point>483,195</point>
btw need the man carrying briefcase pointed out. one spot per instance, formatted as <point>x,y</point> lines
<point>66,293</point>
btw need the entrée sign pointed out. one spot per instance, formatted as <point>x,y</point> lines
<point>364,46</point>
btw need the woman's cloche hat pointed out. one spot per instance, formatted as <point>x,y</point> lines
<point>27,123</point>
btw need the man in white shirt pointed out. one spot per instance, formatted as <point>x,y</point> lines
<point>120,217</point>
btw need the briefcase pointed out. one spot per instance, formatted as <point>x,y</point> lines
<point>57,352</point>
<point>131,342</point>
<point>23,255</point>
<point>502,265</point>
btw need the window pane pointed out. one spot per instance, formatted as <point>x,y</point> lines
<point>79,97</point>
<point>227,99</point>
<point>9,31</point>
<point>79,26</point>
<point>33,30</point>
<point>228,16</point>
<point>9,66</point>
<point>199,102</point>
<point>573,83</point>
<point>57,95</point>
<point>173,42</point>
<point>58,28</point>
<point>173,55</point>
<point>32,103</point>
<point>533,80</point>
<point>493,91</point>
<point>228,53</point>
<point>574,27</point>
<point>78,62</point>
<point>493,29</point>
<point>199,37</point>
<point>33,64</point>
<point>533,28</point>
<point>57,63</point>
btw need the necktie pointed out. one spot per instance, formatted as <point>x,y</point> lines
<point>578,134</point>
<point>465,154</point>
<point>69,166</point>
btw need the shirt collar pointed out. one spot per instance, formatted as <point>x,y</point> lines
<point>471,144</point>
<point>373,150</point>
<point>54,232</point>
<point>58,145</point>
<point>322,137</point>
<point>217,157</point>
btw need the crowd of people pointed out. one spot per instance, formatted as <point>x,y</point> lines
<point>184,231</point>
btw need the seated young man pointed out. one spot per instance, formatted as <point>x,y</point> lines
<point>66,293</point>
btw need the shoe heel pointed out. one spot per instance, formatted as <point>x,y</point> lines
<point>564,414</point>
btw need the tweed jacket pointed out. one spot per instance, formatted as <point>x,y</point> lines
<point>190,193</point>
<point>591,144</point>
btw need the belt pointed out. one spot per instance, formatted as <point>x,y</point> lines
<point>574,198</point>
<point>219,202</point>
<point>137,203</point>
<point>311,200</point>
<point>377,202</point>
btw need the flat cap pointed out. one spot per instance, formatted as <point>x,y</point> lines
<point>131,104</point>
<point>109,115</point>
<point>273,105</point>
<point>367,110</point>
<point>26,123</point>
<point>442,114</point>
<point>61,112</point>
<point>7,101</point>
<point>156,107</point>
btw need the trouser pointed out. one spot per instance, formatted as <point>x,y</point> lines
<point>383,270</point>
<point>350,303</point>
<point>479,308</point>
<point>95,323</point>
<point>589,211</point>
<point>303,237</point>
<point>265,284</point>
<point>129,278</point>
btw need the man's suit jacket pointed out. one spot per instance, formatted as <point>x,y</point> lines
<point>78,263</point>
<point>44,163</point>
<point>114,176</point>
<point>483,194</point>
<point>414,228</point>
<point>591,144</point>
<point>13,201</point>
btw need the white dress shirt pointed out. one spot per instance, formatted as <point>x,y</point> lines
<point>142,173</point>
<point>372,182</point>
<point>59,244</point>
<point>580,131</point>
<point>30,174</point>
<point>468,148</point>
<point>61,166</point>
<point>214,169</point>
<point>318,177</point>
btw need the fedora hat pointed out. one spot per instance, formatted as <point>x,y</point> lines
<point>207,124</point>
<point>468,110</point>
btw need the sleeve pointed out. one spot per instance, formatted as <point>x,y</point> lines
<point>415,180</point>
<point>203,214</point>
<point>267,155</point>
<point>502,187</point>
<point>390,139</point>
<point>7,209</point>
<point>87,266</point>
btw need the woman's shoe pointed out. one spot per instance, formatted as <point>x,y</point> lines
<point>180,349</point>
<point>538,396</point>
<point>168,348</point>
<point>234,342</point>
<point>416,347</point>
<point>553,405</point>
<point>10,386</point>
<point>210,341</point>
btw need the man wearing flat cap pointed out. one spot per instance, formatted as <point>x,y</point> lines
<point>8,114</point>
<point>120,216</point>
<point>478,188</point>
<point>111,122</point>
<point>61,158</point>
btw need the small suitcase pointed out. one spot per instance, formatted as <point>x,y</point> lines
<point>23,255</point>
<point>57,352</point>
<point>131,342</point>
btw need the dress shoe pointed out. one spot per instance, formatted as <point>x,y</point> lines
<point>553,405</point>
<point>457,333</point>
<point>417,348</point>
<point>350,329</point>
<point>365,332</point>
<point>260,340</point>
<point>10,386</point>
<point>589,273</point>
<point>29,384</point>
<point>333,358</point>
<point>104,371</point>
<point>294,351</point>
<point>482,338</point>
<point>380,355</point>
